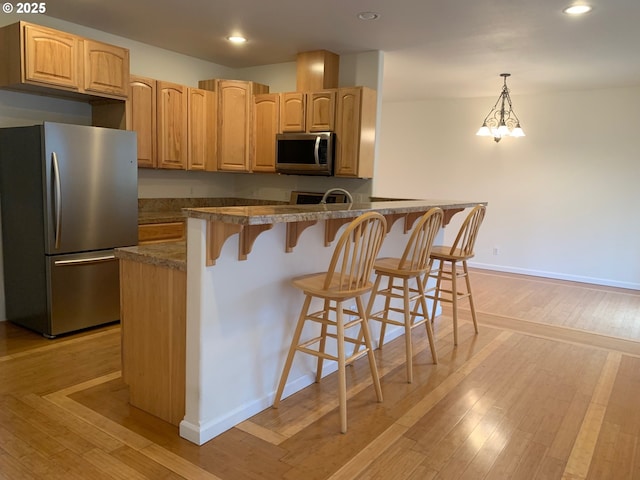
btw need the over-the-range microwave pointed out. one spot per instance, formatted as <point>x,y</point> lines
<point>305,153</point>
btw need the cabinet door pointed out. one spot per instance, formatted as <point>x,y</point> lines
<point>348,132</point>
<point>106,68</point>
<point>201,110</point>
<point>172,125</point>
<point>234,125</point>
<point>321,111</point>
<point>51,57</point>
<point>266,121</point>
<point>355,132</point>
<point>292,116</point>
<point>161,232</point>
<point>141,118</point>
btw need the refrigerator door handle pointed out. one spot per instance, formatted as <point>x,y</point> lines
<point>80,261</point>
<point>57,198</point>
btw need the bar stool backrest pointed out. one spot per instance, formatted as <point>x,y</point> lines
<point>355,253</point>
<point>466,238</point>
<point>416,254</point>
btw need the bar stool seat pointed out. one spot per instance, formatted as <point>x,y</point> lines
<point>400,273</point>
<point>347,278</point>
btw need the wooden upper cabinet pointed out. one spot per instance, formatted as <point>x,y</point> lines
<point>141,118</point>
<point>175,124</point>
<point>234,131</point>
<point>292,112</point>
<point>308,112</point>
<point>172,122</point>
<point>201,126</point>
<point>106,68</point>
<point>321,111</point>
<point>41,59</point>
<point>355,132</point>
<point>234,125</point>
<point>51,57</point>
<point>266,121</point>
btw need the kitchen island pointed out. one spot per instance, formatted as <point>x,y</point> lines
<point>241,308</point>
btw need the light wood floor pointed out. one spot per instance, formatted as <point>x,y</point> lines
<point>548,389</point>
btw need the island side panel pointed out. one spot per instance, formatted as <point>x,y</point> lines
<point>152,301</point>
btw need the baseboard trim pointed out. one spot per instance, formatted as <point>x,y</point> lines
<point>558,276</point>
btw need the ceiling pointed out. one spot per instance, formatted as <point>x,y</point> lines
<point>431,48</point>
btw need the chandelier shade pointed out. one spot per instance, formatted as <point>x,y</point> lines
<point>501,120</point>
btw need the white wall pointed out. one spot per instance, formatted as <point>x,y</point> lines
<point>561,200</point>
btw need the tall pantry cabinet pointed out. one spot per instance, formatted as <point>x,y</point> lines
<point>355,132</point>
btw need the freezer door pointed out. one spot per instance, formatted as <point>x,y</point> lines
<point>84,291</point>
<point>91,188</point>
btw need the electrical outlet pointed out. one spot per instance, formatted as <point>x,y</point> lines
<point>496,250</point>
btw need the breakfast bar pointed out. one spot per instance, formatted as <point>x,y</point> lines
<point>223,366</point>
<point>241,308</point>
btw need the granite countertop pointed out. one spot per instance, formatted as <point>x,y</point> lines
<point>161,210</point>
<point>268,214</point>
<point>168,254</point>
<point>173,254</point>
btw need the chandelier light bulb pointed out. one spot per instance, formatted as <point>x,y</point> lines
<point>484,131</point>
<point>517,132</point>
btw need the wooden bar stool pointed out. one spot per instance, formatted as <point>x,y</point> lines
<point>399,272</point>
<point>460,251</point>
<point>347,278</point>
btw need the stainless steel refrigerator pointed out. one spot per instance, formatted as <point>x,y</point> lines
<point>68,197</point>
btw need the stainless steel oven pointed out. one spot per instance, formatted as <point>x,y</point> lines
<point>305,153</point>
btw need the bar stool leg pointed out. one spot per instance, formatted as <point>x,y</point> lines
<point>407,330</point>
<point>387,304</point>
<point>292,350</point>
<point>323,340</point>
<point>427,323</point>
<point>372,300</point>
<point>454,300</point>
<point>364,328</point>
<point>473,308</point>
<point>342,377</point>
<point>436,294</point>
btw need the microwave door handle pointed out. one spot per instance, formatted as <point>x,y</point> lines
<point>316,150</point>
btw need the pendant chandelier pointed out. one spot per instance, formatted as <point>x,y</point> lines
<point>501,120</point>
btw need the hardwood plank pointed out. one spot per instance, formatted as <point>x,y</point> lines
<point>143,464</point>
<point>582,452</point>
<point>107,463</point>
<point>13,469</point>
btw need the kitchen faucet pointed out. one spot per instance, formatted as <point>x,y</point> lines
<point>331,190</point>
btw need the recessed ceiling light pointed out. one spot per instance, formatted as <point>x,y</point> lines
<point>236,39</point>
<point>368,16</point>
<point>577,9</point>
